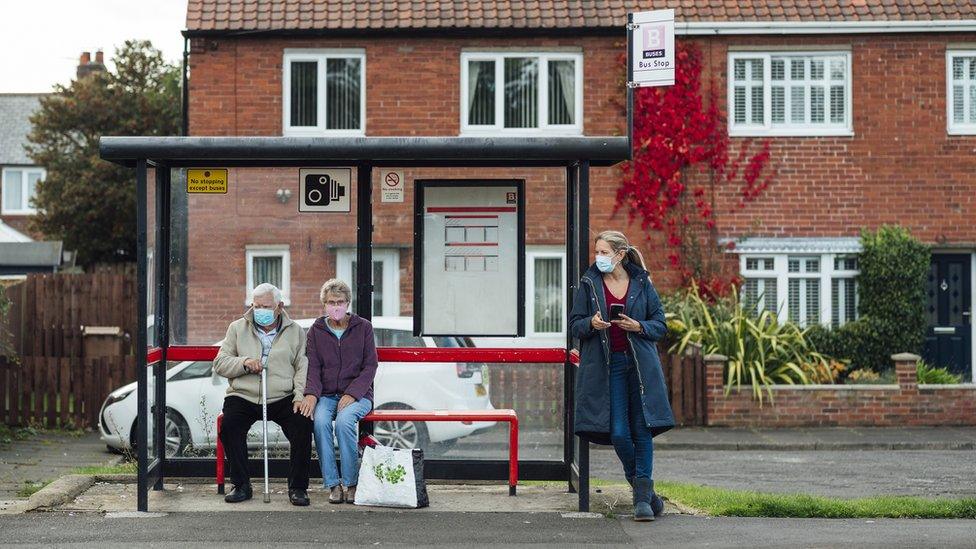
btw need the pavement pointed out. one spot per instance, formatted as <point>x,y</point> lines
<point>45,457</point>
<point>411,528</point>
<point>842,462</point>
<point>818,438</point>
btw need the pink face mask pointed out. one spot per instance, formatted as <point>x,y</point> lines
<point>336,312</point>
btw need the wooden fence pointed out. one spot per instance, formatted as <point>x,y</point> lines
<point>535,391</point>
<point>60,392</point>
<point>54,377</point>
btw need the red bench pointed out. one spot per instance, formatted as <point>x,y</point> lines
<point>508,416</point>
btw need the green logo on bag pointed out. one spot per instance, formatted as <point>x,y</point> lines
<point>393,475</point>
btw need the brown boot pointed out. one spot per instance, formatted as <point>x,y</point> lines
<point>335,494</point>
<point>350,494</point>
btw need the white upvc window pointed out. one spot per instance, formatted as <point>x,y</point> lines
<point>803,295</point>
<point>521,93</point>
<point>961,91</point>
<point>545,306</point>
<point>324,92</point>
<point>268,263</point>
<point>789,94</point>
<point>759,284</point>
<point>386,278</point>
<point>805,289</point>
<point>19,186</point>
<point>843,290</point>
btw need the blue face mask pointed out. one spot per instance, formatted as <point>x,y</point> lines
<point>264,317</point>
<point>604,263</point>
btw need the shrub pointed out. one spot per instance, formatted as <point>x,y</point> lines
<point>864,376</point>
<point>891,287</point>
<point>760,350</point>
<point>930,375</point>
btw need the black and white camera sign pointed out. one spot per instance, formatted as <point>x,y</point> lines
<point>324,189</point>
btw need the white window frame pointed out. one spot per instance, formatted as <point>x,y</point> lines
<point>782,275</point>
<point>530,256</point>
<point>761,275</point>
<point>544,127</point>
<point>846,274</point>
<point>953,128</point>
<point>767,128</point>
<point>268,250</point>
<point>390,257</point>
<point>25,208</point>
<point>320,56</point>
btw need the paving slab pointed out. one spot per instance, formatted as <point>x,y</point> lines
<point>46,457</point>
<point>191,495</point>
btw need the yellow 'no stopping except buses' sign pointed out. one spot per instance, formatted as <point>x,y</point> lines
<point>208,181</point>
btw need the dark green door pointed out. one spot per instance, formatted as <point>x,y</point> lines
<point>949,339</point>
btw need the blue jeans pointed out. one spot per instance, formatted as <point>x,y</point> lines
<point>346,425</point>
<point>629,433</point>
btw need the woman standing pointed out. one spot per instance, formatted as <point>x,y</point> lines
<point>621,398</point>
<point>341,367</point>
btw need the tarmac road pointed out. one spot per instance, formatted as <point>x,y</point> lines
<point>252,529</point>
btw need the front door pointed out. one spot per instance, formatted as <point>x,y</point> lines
<point>948,342</point>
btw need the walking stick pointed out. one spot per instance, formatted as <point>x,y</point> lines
<point>264,429</point>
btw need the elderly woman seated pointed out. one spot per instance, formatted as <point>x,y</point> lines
<point>341,367</point>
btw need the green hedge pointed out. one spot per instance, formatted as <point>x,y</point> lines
<point>891,309</point>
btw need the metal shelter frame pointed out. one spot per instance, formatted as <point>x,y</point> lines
<point>575,154</point>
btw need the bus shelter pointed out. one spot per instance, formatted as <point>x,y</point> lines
<point>164,155</point>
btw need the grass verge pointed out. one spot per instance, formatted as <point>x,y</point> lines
<point>30,488</point>
<point>125,468</point>
<point>742,503</point>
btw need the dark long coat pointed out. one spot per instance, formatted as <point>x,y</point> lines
<point>592,403</point>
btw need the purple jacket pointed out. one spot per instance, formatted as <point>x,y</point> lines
<point>345,366</point>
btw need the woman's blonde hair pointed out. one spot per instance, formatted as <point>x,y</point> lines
<point>618,242</point>
<point>335,286</point>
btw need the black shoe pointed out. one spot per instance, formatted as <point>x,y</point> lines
<point>298,497</point>
<point>239,494</point>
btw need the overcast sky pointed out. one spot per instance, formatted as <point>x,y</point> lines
<point>41,40</point>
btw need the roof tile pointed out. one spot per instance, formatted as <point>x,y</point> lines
<point>506,14</point>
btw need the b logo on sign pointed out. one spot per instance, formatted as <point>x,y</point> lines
<point>653,41</point>
<point>320,189</point>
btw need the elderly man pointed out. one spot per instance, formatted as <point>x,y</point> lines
<point>265,338</point>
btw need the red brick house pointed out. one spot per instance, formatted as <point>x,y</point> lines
<point>871,110</point>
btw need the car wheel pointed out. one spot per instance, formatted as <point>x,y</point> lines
<point>400,434</point>
<point>176,434</point>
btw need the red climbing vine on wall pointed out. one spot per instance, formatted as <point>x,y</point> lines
<point>681,157</point>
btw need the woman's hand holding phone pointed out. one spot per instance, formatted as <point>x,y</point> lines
<point>627,324</point>
<point>598,323</point>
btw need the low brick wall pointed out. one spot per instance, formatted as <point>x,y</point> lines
<point>906,403</point>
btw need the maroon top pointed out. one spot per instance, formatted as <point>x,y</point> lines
<point>618,338</point>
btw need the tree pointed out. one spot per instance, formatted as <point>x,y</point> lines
<point>84,201</point>
<point>681,155</point>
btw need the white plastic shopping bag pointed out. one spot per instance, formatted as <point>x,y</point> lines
<point>389,477</point>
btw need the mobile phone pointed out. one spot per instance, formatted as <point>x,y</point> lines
<point>615,310</point>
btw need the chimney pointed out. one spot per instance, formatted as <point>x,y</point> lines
<point>85,65</point>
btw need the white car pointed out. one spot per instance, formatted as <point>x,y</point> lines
<point>195,395</point>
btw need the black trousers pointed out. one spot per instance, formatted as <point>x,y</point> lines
<point>240,415</point>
